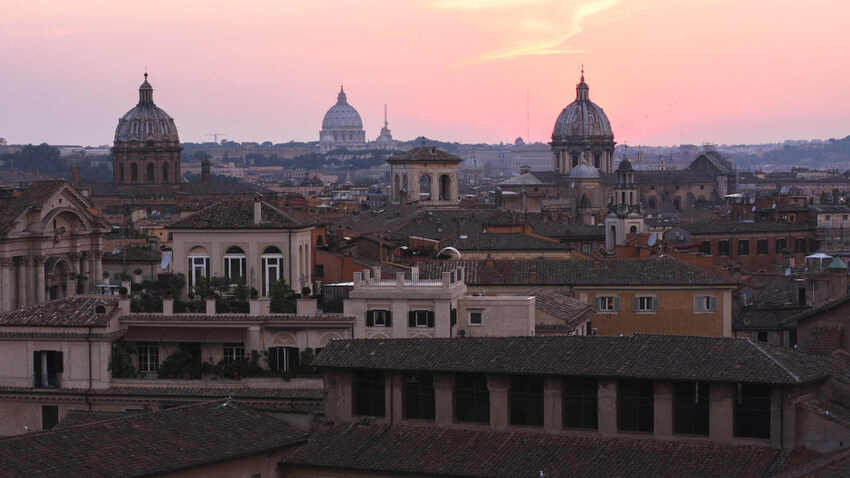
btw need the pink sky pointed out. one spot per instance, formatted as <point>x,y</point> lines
<point>666,72</point>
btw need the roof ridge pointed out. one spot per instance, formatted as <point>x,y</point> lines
<point>774,360</point>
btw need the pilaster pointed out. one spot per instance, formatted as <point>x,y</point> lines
<point>444,399</point>
<point>7,281</point>
<point>41,282</point>
<point>607,407</point>
<point>552,403</point>
<point>499,385</point>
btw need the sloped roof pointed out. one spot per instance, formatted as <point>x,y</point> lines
<point>148,444</point>
<point>568,309</point>
<point>424,153</point>
<point>660,357</point>
<point>78,311</point>
<point>34,196</point>
<point>239,214</point>
<point>743,227</point>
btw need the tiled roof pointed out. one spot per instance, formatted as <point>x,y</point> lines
<point>568,309</point>
<point>168,191</point>
<point>148,444</point>
<point>430,451</point>
<point>82,417</point>
<point>34,196</point>
<point>78,311</point>
<point>615,272</point>
<point>196,392</point>
<point>662,357</point>
<point>809,313</point>
<point>239,214</point>
<point>424,153</point>
<point>321,317</point>
<point>832,465</point>
<point>726,227</point>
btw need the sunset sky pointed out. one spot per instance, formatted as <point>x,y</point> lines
<point>665,71</point>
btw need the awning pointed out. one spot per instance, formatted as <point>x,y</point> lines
<point>185,334</point>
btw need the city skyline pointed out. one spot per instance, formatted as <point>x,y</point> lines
<point>453,70</point>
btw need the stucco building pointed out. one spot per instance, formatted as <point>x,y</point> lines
<point>424,175</point>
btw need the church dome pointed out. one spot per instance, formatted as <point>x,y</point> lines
<point>146,121</point>
<point>584,171</point>
<point>342,115</point>
<point>582,118</point>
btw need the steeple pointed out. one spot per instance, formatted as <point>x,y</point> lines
<point>386,123</point>
<point>582,89</point>
<point>340,98</point>
<point>145,92</point>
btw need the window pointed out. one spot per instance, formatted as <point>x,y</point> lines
<point>827,217</point>
<point>761,246</point>
<point>781,245</point>
<point>368,394</point>
<point>752,411</point>
<point>691,408</point>
<point>284,359</point>
<point>420,318</point>
<point>234,264</point>
<point>705,304</point>
<point>148,357</point>
<point>635,405</point>
<point>472,398</point>
<point>418,396</point>
<point>762,337</point>
<point>49,416</point>
<point>645,303</point>
<point>580,402</point>
<point>47,366</point>
<point>526,400</point>
<point>705,248</point>
<point>800,245</point>
<point>801,296</point>
<point>134,172</point>
<point>233,353</point>
<point>743,247</point>
<point>607,303</point>
<point>199,267</point>
<point>379,318</point>
<point>476,317</point>
<point>272,264</point>
<point>722,248</point>
<point>319,270</point>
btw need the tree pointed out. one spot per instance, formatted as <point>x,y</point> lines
<point>282,297</point>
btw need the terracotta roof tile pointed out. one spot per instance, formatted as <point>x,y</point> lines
<point>239,214</point>
<point>78,311</point>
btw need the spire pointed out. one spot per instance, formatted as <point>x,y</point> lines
<point>386,123</point>
<point>340,98</point>
<point>145,91</point>
<point>582,88</point>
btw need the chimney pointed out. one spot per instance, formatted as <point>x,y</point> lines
<point>258,209</point>
<point>205,171</point>
<point>75,175</point>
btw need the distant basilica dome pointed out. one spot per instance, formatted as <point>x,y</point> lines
<point>146,148</point>
<point>342,126</point>
<point>582,133</point>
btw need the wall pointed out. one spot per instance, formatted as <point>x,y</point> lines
<point>502,316</point>
<point>16,362</point>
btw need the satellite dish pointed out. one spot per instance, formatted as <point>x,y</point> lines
<point>653,238</point>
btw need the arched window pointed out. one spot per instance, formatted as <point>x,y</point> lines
<point>234,264</point>
<point>653,204</point>
<point>425,187</point>
<point>633,229</point>
<point>134,172</point>
<point>149,175</point>
<point>165,172</point>
<point>199,265</point>
<point>597,161</point>
<point>121,177</point>
<point>575,159</point>
<point>272,265</point>
<point>445,187</point>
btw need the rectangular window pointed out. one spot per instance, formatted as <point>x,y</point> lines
<point>284,359</point>
<point>580,403</point>
<point>476,317</point>
<point>691,408</point>
<point>762,246</point>
<point>705,304</point>
<point>234,267</point>
<point>705,248</point>
<point>418,396</point>
<point>781,245</point>
<point>379,318</point>
<point>272,265</point>
<point>800,245</point>
<point>47,367</point>
<point>752,411</point>
<point>743,247</point>
<point>722,248</point>
<point>762,337</point>
<point>49,416</point>
<point>635,405</point>
<point>319,270</point>
<point>526,400</point>
<point>472,398</point>
<point>368,397</point>
<point>607,303</point>
<point>148,357</point>
<point>645,304</point>
<point>420,318</point>
<point>233,353</point>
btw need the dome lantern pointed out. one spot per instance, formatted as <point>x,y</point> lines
<point>145,92</point>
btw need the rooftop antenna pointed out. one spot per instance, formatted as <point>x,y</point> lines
<point>386,123</point>
<point>215,136</point>
<point>528,115</point>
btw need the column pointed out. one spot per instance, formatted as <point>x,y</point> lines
<point>41,281</point>
<point>663,409</point>
<point>499,385</point>
<point>97,265</point>
<point>607,407</point>
<point>395,401</point>
<point>29,277</point>
<point>435,187</point>
<point>552,403</point>
<point>444,405</point>
<point>85,270</point>
<point>721,414</point>
<point>7,280</point>
<point>21,277</point>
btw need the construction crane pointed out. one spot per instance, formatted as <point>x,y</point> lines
<point>215,136</point>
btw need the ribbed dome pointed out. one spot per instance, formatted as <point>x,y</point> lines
<point>342,115</point>
<point>582,117</point>
<point>146,121</point>
<point>584,171</point>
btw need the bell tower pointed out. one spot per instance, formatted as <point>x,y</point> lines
<point>625,215</point>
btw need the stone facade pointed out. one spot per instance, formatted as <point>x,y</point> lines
<point>426,176</point>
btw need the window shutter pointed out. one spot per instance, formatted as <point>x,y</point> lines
<point>616,303</point>
<point>273,359</point>
<point>292,359</point>
<point>370,318</point>
<point>714,304</point>
<point>206,267</point>
<point>411,319</point>
<point>699,303</point>
<point>654,307</point>
<point>431,319</point>
<point>635,303</point>
<point>597,303</point>
<point>59,363</point>
<point>36,364</point>
<point>389,319</point>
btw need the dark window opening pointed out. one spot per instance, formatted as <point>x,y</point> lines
<point>284,359</point>
<point>368,394</point>
<point>418,396</point>
<point>47,367</point>
<point>379,318</point>
<point>800,245</point>
<point>722,248</point>
<point>792,338</point>
<point>420,318</point>
<point>691,408</point>
<point>743,247</point>
<point>472,398</point>
<point>149,175</point>
<point>49,416</point>
<point>705,248</point>
<point>762,337</point>
<point>801,296</point>
<point>526,400</point>
<point>781,245</point>
<point>752,411</point>
<point>580,402</point>
<point>319,271</point>
<point>635,405</point>
<point>762,246</point>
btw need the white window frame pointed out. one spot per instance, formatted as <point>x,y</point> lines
<point>267,267</point>
<point>241,263</point>
<point>480,313</point>
<point>610,304</point>
<point>421,314</point>
<point>233,352</point>
<point>646,304</point>
<point>379,313</point>
<point>197,268</point>
<point>148,356</point>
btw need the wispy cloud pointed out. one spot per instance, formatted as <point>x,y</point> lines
<point>482,4</point>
